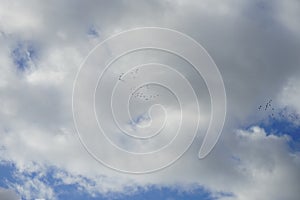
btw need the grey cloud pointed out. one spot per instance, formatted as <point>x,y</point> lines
<point>6,194</point>
<point>252,43</point>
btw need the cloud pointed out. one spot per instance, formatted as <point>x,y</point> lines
<point>33,188</point>
<point>290,94</point>
<point>6,194</point>
<point>255,45</point>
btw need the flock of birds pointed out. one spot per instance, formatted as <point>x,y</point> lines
<point>282,113</point>
<point>267,106</point>
<point>143,96</point>
<point>147,97</point>
<point>132,73</point>
<point>138,93</point>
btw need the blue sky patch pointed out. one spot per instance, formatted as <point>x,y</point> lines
<point>285,122</point>
<point>23,54</point>
<point>284,126</point>
<point>92,31</point>
<point>73,191</point>
<point>168,193</point>
<point>6,173</point>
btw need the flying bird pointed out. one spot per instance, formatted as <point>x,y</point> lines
<point>120,77</point>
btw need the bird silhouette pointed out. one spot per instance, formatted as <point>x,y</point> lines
<point>120,77</point>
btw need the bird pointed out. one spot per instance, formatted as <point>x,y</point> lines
<point>266,107</point>
<point>120,77</point>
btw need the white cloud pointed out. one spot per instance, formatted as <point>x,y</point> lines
<point>290,94</point>
<point>32,188</point>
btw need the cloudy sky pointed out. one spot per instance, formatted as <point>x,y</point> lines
<point>48,146</point>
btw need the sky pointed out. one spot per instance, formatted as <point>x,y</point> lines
<point>50,145</point>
